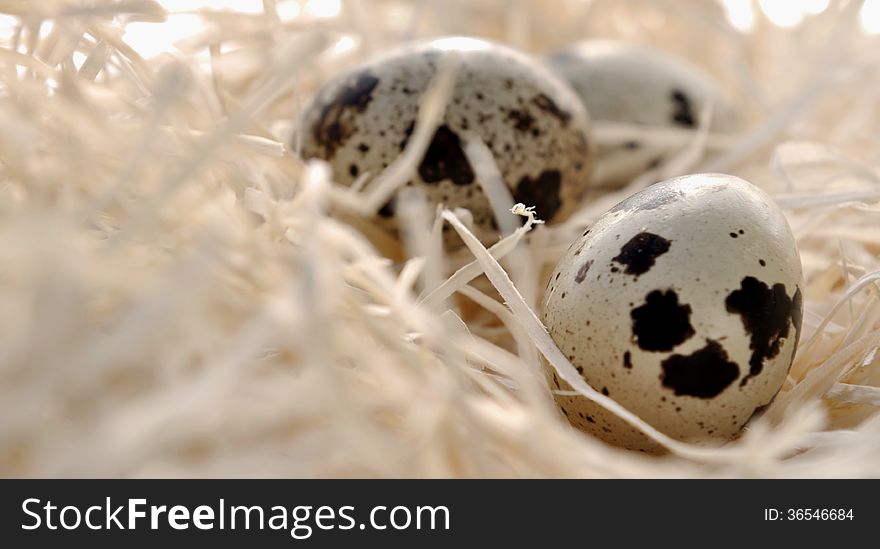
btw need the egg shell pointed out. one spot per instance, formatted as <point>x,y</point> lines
<point>621,82</point>
<point>682,303</point>
<point>534,125</point>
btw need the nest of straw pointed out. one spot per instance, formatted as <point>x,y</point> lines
<point>178,301</point>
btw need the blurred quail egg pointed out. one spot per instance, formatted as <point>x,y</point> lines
<point>620,82</point>
<point>682,303</point>
<point>534,125</point>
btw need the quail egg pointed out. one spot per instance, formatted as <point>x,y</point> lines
<point>535,126</point>
<point>682,303</point>
<point>620,82</point>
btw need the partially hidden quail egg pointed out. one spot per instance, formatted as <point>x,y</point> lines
<point>532,122</point>
<point>682,303</point>
<point>621,82</point>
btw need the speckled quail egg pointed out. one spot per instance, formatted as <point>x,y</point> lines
<point>682,303</point>
<point>621,82</point>
<point>534,125</point>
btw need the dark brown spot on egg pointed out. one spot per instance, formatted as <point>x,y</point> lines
<point>445,159</point>
<point>705,373</point>
<point>541,192</point>
<point>639,253</point>
<point>766,315</point>
<point>522,120</point>
<point>334,124</point>
<point>682,110</point>
<point>543,102</point>
<point>582,272</point>
<point>627,360</point>
<point>661,323</point>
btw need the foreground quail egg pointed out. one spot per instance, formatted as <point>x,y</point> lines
<point>683,304</point>
<point>534,125</point>
<point>620,82</point>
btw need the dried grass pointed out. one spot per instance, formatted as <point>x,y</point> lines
<point>177,301</point>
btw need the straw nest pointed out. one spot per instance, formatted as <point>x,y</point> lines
<point>177,299</point>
